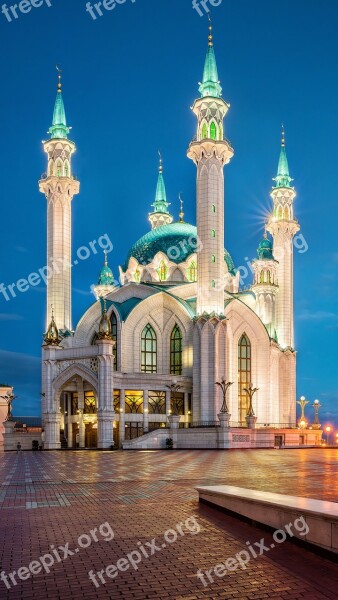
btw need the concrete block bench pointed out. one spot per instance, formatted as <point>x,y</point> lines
<point>313,521</point>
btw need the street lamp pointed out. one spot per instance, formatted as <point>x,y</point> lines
<point>302,403</point>
<point>9,398</point>
<point>224,387</point>
<point>250,391</point>
<point>174,389</point>
<point>328,431</point>
<point>316,405</point>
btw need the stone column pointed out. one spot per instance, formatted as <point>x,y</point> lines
<point>70,433</point>
<point>9,435</point>
<point>122,415</point>
<point>105,413</point>
<point>82,431</point>
<point>167,402</point>
<point>145,411</point>
<point>186,408</point>
<point>52,431</point>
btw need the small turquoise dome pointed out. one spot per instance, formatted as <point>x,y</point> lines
<point>265,249</point>
<point>177,241</point>
<point>106,275</point>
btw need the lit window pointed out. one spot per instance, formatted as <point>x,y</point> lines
<point>137,276</point>
<point>213,208</point>
<point>213,131</point>
<point>162,271</point>
<point>59,169</point>
<point>89,403</point>
<point>148,350</point>
<point>213,258</point>
<point>213,233</point>
<point>192,272</point>
<point>176,351</point>
<point>66,170</point>
<point>133,402</point>
<point>213,283</point>
<point>204,131</point>
<point>244,375</point>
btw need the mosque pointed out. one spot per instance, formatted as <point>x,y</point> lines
<point>176,353</point>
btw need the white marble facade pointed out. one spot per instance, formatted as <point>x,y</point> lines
<point>178,317</point>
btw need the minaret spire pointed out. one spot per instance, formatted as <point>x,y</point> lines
<point>59,187</point>
<point>283,226</point>
<point>161,215</point>
<point>210,152</point>
<point>283,178</point>
<point>59,127</point>
<point>181,215</point>
<point>210,85</point>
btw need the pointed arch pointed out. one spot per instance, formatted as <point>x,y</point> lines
<point>176,348</point>
<point>67,169</point>
<point>162,271</point>
<point>244,375</point>
<point>148,350</point>
<point>204,131</point>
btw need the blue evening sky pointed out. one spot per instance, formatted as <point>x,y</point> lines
<point>129,79</point>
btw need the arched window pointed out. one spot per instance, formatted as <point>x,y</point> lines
<point>113,321</point>
<point>148,350</point>
<point>244,376</point>
<point>176,340</point>
<point>213,258</point>
<point>192,272</point>
<point>268,277</point>
<point>213,208</point>
<point>162,271</point>
<point>286,213</point>
<point>262,277</point>
<point>280,213</point>
<point>137,276</point>
<point>213,131</point>
<point>204,131</point>
<point>67,169</point>
<point>59,169</point>
<point>213,233</point>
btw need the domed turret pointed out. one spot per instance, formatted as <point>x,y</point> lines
<point>106,283</point>
<point>265,249</point>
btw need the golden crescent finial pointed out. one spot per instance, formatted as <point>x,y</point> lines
<point>283,136</point>
<point>160,169</point>
<point>210,38</point>
<point>59,70</point>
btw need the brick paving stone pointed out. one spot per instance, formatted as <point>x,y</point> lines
<point>52,498</point>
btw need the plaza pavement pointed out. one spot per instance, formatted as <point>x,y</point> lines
<point>52,498</point>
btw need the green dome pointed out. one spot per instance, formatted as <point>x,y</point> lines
<point>177,241</point>
<point>106,276</point>
<point>265,249</point>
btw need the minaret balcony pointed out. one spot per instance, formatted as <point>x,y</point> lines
<point>208,148</point>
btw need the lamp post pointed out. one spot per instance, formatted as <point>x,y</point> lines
<point>174,389</point>
<point>302,403</point>
<point>224,387</point>
<point>328,431</point>
<point>316,405</point>
<point>251,418</point>
<point>9,398</point>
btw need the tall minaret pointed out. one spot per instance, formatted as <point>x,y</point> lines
<point>210,152</point>
<point>59,187</point>
<point>161,215</point>
<point>283,227</point>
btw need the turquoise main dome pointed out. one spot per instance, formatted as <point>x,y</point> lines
<point>177,241</point>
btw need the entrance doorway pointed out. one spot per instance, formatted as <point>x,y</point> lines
<point>91,436</point>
